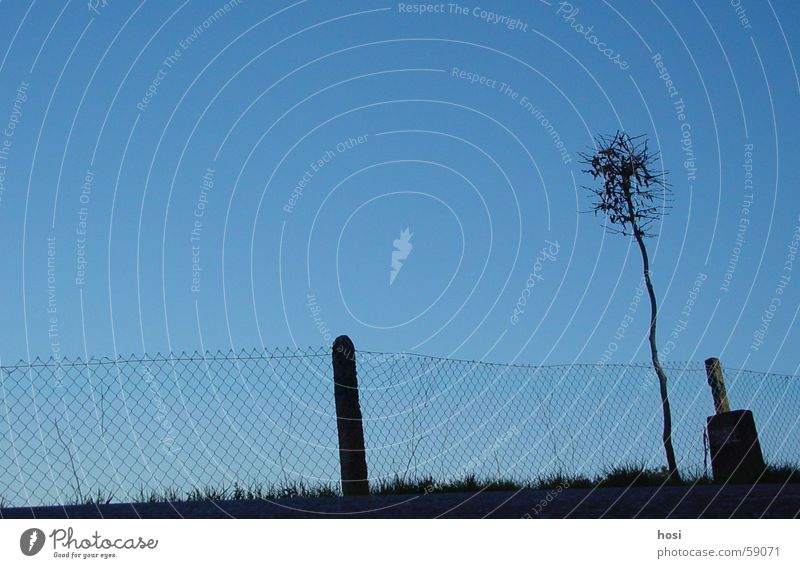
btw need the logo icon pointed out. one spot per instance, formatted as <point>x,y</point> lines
<point>403,248</point>
<point>31,541</point>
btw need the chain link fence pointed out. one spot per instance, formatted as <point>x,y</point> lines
<point>122,428</point>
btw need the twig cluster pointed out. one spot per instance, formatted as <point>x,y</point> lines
<point>633,193</point>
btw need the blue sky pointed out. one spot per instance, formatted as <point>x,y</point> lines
<point>462,126</point>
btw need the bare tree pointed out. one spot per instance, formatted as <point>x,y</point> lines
<point>633,195</point>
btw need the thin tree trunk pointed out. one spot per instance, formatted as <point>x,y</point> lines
<point>662,376</point>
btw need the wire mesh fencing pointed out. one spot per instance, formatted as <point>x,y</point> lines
<point>123,428</point>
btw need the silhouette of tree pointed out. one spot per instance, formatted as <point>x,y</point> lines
<point>633,195</point>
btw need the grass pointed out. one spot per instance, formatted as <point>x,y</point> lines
<point>782,473</point>
<point>98,498</point>
<point>556,480</point>
<point>626,475</point>
<point>469,483</point>
<point>634,475</point>
<point>238,492</point>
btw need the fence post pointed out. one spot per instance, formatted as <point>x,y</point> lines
<point>352,454</point>
<point>732,436</point>
<point>717,382</point>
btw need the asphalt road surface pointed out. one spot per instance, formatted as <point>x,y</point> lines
<point>733,501</point>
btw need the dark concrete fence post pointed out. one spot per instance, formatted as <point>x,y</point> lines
<point>352,454</point>
<point>732,436</point>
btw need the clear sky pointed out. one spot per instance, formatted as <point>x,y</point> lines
<point>200,175</point>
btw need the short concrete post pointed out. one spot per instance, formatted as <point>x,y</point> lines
<point>732,436</point>
<point>352,454</point>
